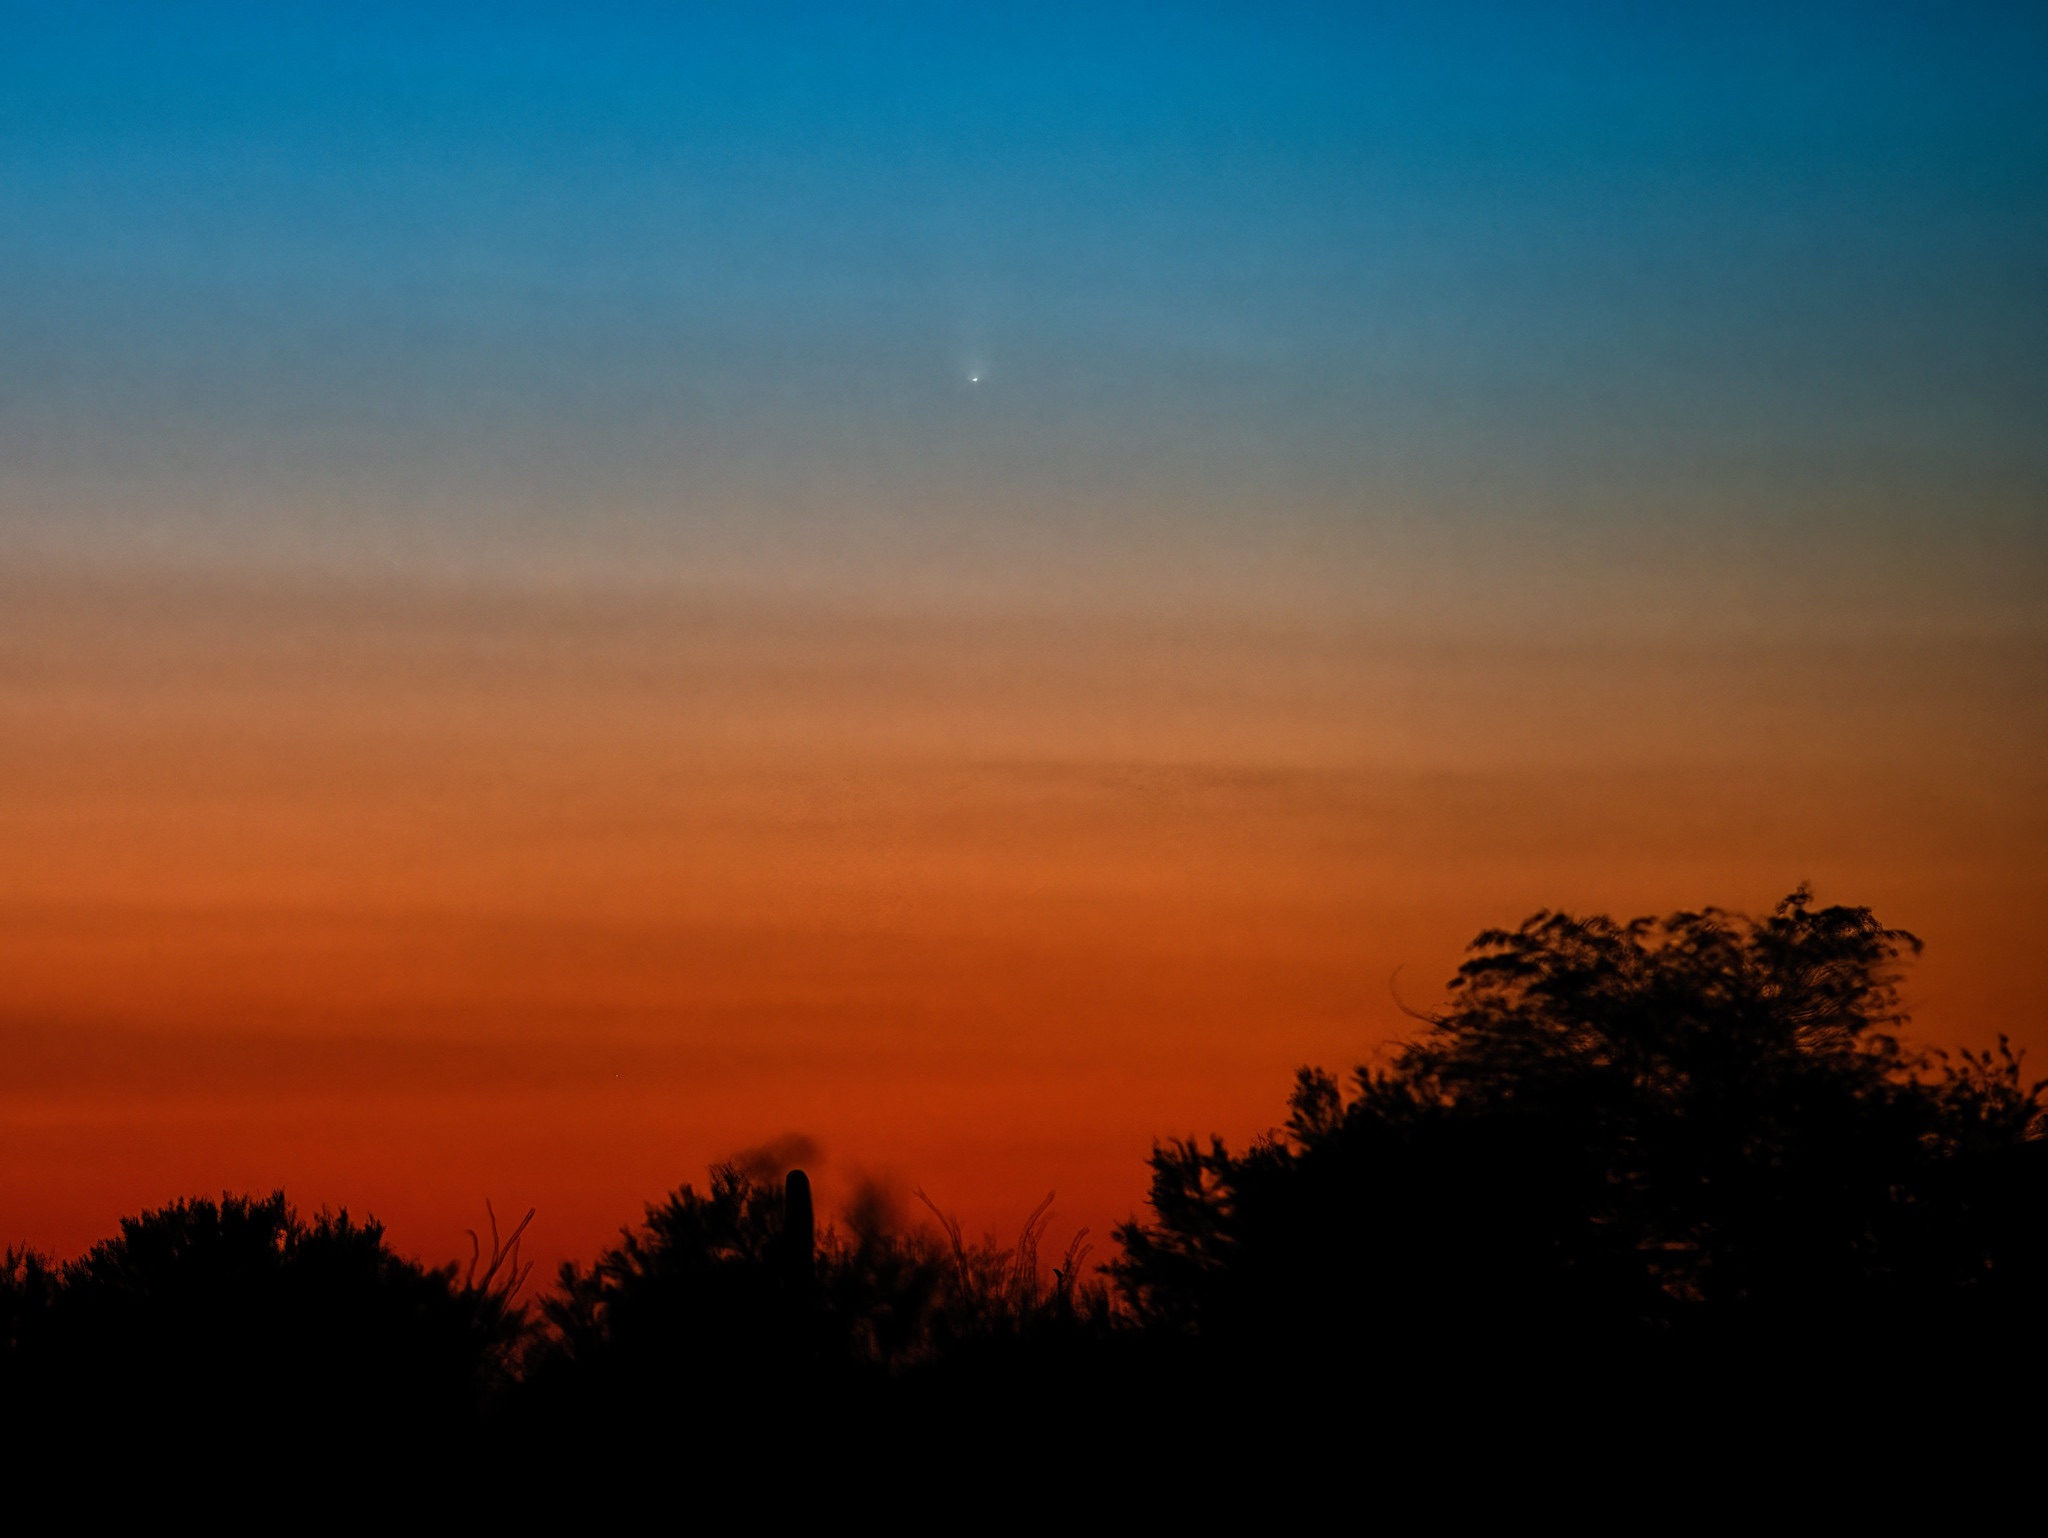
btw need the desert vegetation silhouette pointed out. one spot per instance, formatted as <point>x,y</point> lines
<point>1630,1173</point>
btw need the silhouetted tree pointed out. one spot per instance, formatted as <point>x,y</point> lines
<point>1697,1135</point>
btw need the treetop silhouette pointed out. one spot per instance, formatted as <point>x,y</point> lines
<point>1704,1126</point>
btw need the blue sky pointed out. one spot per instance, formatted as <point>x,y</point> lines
<point>602,278</point>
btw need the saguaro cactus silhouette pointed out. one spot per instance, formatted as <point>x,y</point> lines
<point>799,1232</point>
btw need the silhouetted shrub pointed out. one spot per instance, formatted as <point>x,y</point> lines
<point>693,1301</point>
<point>240,1324</point>
<point>705,1293</point>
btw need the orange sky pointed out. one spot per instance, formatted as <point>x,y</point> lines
<point>409,897</point>
<point>583,588</point>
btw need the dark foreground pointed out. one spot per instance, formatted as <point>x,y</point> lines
<point>1653,1212</point>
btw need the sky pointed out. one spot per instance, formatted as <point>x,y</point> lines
<point>585,588</point>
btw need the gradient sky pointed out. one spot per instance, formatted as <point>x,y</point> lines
<point>583,587</point>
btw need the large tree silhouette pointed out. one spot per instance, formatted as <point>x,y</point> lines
<point>1697,1134</point>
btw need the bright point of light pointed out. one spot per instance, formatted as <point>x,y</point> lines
<point>974,379</point>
